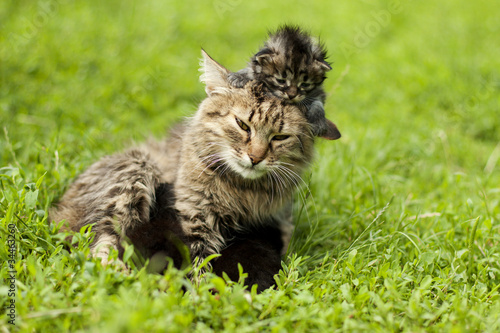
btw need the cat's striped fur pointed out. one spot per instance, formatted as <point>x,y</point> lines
<point>229,170</point>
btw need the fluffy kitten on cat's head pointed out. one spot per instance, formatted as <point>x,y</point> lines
<point>293,66</point>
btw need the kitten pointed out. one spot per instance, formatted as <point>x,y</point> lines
<point>292,67</point>
<point>218,184</point>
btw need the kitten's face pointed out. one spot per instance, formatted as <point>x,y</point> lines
<point>251,135</point>
<point>289,78</point>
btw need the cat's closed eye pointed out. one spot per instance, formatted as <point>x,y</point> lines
<point>242,125</point>
<point>305,85</point>
<point>280,81</point>
<point>281,137</point>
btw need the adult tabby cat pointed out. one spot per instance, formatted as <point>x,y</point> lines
<point>292,67</point>
<point>218,184</point>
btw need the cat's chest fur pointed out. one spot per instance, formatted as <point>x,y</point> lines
<point>219,196</point>
<point>223,196</point>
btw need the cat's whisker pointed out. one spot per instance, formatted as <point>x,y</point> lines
<point>270,178</point>
<point>209,159</point>
<point>292,173</point>
<point>217,144</point>
<point>309,192</point>
<point>279,193</point>
<point>212,162</point>
<point>280,182</point>
<point>294,182</point>
<point>308,99</point>
<point>285,163</point>
<point>204,160</point>
<point>204,157</point>
<point>226,167</point>
<point>301,195</point>
<point>291,181</point>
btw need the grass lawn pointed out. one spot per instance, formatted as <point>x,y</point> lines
<point>398,230</point>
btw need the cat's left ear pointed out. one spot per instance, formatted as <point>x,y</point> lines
<point>214,75</point>
<point>324,65</point>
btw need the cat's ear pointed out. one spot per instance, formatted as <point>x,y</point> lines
<point>261,59</point>
<point>214,75</point>
<point>332,132</point>
<point>323,65</point>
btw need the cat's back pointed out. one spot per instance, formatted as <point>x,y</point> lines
<point>166,153</point>
<point>117,179</point>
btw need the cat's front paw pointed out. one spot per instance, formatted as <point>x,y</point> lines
<point>201,257</point>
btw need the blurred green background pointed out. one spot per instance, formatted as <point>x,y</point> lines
<point>414,90</point>
<point>93,73</point>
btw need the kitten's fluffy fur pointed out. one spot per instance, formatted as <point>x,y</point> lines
<point>292,66</point>
<point>222,178</point>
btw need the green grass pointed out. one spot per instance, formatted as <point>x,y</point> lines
<point>400,230</point>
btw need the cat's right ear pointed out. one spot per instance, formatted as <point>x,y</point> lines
<point>214,75</point>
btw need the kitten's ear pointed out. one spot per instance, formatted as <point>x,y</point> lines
<point>214,75</point>
<point>323,65</point>
<point>264,56</point>
<point>332,132</point>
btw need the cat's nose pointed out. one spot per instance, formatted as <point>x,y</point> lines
<point>257,151</point>
<point>291,93</point>
<point>255,159</point>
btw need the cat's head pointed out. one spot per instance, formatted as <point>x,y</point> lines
<point>248,133</point>
<point>291,64</point>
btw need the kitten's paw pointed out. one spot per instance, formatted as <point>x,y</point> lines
<point>237,80</point>
<point>321,126</point>
<point>315,111</point>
